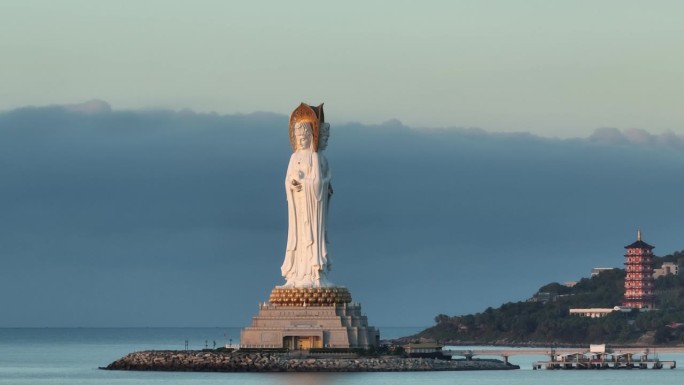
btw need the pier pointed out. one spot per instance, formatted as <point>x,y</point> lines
<point>603,360</point>
<point>596,357</point>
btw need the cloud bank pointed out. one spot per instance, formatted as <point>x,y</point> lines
<point>164,218</point>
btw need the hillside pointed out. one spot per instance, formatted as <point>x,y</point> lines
<point>545,318</point>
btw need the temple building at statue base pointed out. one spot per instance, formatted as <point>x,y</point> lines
<point>306,318</point>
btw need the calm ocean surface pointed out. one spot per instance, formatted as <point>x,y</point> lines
<point>71,356</point>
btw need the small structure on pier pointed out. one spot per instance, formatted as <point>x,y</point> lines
<point>425,350</point>
<point>598,357</point>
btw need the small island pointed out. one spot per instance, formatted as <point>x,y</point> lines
<point>269,361</point>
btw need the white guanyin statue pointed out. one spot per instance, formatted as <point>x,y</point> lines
<point>308,191</point>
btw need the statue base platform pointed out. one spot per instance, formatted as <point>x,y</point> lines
<point>306,318</point>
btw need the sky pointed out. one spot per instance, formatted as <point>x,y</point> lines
<point>558,69</point>
<point>479,150</point>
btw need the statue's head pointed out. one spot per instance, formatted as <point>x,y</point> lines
<point>323,135</point>
<point>303,135</point>
<point>313,118</point>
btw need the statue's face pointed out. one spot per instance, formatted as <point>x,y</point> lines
<point>303,135</point>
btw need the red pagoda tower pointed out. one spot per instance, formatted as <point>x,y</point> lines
<point>639,275</point>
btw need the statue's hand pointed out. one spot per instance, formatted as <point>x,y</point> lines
<point>297,185</point>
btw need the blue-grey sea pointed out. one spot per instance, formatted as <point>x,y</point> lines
<point>57,356</point>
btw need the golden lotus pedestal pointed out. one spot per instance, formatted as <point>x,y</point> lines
<point>305,318</point>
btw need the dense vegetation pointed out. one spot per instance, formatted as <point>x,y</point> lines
<point>545,318</point>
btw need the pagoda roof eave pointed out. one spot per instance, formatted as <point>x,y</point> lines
<point>640,245</point>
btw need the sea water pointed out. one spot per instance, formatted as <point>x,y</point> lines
<point>72,356</point>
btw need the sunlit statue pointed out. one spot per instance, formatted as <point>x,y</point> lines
<point>308,191</point>
<point>307,264</point>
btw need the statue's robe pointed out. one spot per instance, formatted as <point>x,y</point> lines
<point>306,256</point>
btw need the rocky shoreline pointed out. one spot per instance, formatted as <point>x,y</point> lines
<point>212,361</point>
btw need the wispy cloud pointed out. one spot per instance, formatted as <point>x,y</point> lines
<point>636,136</point>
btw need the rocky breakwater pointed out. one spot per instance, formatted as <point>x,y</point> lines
<point>203,361</point>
